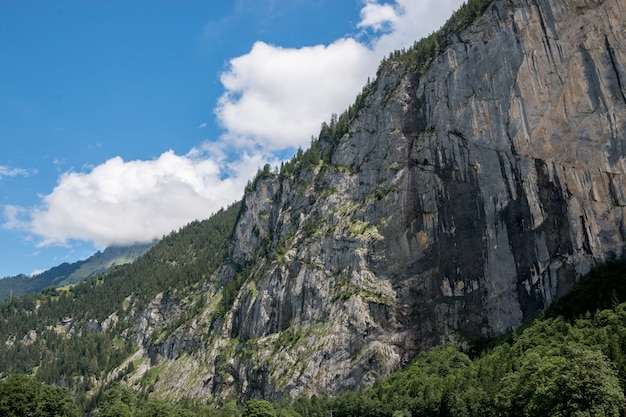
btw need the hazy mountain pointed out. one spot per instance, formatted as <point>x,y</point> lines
<point>70,273</point>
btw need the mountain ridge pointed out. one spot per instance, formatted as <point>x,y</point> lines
<point>455,205</point>
<point>461,195</point>
<point>71,273</point>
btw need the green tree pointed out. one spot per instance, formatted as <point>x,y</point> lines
<point>573,381</point>
<point>24,396</point>
<point>156,408</point>
<point>117,401</point>
<point>288,412</point>
<point>258,408</point>
<point>18,396</point>
<point>117,409</point>
<point>230,409</point>
<point>56,402</point>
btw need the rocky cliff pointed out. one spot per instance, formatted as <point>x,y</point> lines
<point>462,201</point>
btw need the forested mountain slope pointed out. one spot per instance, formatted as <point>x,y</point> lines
<point>76,336</point>
<point>67,273</point>
<point>467,188</point>
<point>572,361</point>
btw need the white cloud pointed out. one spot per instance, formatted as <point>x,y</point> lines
<point>14,216</point>
<point>276,98</point>
<point>414,20</point>
<point>122,202</point>
<point>14,172</point>
<point>377,16</point>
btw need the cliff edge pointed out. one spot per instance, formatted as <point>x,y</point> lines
<point>462,201</point>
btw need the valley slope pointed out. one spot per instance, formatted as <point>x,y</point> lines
<point>467,188</point>
<point>71,273</point>
<point>462,200</point>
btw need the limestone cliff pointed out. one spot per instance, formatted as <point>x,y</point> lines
<point>461,202</point>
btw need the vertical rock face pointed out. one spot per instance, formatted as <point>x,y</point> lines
<point>461,203</point>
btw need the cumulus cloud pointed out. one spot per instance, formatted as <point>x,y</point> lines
<point>274,100</point>
<point>122,202</point>
<point>377,16</point>
<point>277,98</point>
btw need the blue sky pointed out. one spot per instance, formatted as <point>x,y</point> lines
<point>123,120</point>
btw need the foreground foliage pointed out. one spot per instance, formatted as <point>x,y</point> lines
<point>560,365</point>
<point>21,395</point>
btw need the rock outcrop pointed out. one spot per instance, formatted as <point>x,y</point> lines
<point>460,203</point>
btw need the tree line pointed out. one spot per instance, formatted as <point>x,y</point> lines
<point>571,361</point>
<point>34,329</point>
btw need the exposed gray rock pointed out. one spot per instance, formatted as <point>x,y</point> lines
<point>460,204</point>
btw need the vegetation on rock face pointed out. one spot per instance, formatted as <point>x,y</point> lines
<point>420,55</point>
<point>66,274</point>
<point>73,336</point>
<point>571,364</point>
<point>602,288</point>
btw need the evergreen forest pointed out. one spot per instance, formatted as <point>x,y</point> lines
<point>176,266</point>
<point>571,361</point>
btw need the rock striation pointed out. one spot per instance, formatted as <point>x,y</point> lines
<point>461,202</point>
